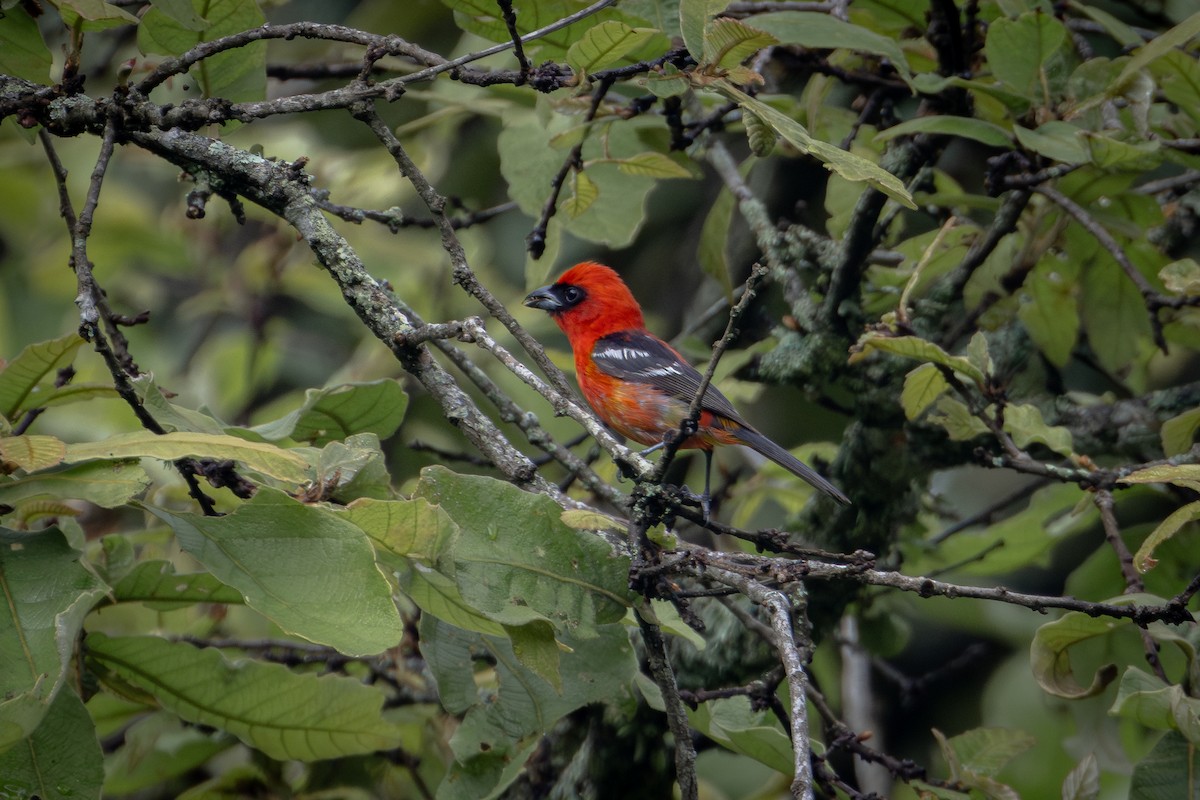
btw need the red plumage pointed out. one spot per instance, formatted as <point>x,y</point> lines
<point>637,383</point>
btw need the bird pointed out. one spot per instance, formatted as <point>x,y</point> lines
<point>639,385</point>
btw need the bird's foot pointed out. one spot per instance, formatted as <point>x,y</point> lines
<point>703,500</point>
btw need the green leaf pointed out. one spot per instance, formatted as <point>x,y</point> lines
<point>438,596</point>
<point>978,354</point>
<point>483,18</point>
<point>1025,424</point>
<point>1000,743</point>
<point>916,348</point>
<point>267,706</point>
<point>611,204</point>
<point>1118,30</point>
<point>714,236</point>
<point>339,411</point>
<point>1082,782</point>
<point>606,44</point>
<point>922,387</point>
<point>61,760</point>
<point>957,420</point>
<point>283,465</point>
<point>1024,539</point>
<point>23,52</point>
<point>520,704</point>
<point>985,751</point>
<point>20,378</point>
<point>664,614</point>
<point>31,452</point>
<point>1114,314</point>
<point>516,562</point>
<point>1020,51</point>
<point>1168,772</point>
<point>1158,47</point>
<point>729,42</point>
<point>963,127</point>
<point>354,469</point>
<point>174,417</point>
<point>759,135</point>
<point>403,530</point>
<point>846,164</point>
<point>157,748</point>
<point>182,12</point>
<point>694,18</point>
<point>1060,141</point>
<point>158,584</point>
<point>1181,277</point>
<point>1177,75</point>
<point>304,567</point>
<point>1145,698</point>
<point>1144,558</point>
<point>1051,662</point>
<point>47,592</point>
<point>1185,475</point>
<point>237,75</point>
<point>823,31</point>
<point>1108,152</point>
<point>1049,307</point>
<point>410,536</point>
<point>106,484</point>
<point>671,82</point>
<point>535,647</point>
<point>732,724</point>
<point>486,776</point>
<point>93,15</point>
<point>1179,432</point>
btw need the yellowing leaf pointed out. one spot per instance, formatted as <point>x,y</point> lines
<point>922,387</point>
<point>1144,558</point>
<point>30,452</point>
<point>654,165</point>
<point>1185,475</point>
<point>586,192</point>
<point>1182,276</point>
<point>283,465</point>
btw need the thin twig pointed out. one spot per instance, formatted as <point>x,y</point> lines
<point>90,298</point>
<point>677,721</point>
<point>779,609</point>
<point>688,426</point>
<point>510,21</point>
<point>535,240</point>
<point>461,270</point>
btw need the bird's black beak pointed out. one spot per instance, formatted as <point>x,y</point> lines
<point>545,298</point>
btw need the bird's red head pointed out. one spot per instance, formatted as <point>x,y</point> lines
<point>589,301</point>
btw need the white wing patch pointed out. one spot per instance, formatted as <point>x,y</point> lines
<point>621,353</point>
<point>636,360</point>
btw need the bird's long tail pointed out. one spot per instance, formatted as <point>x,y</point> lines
<point>756,441</point>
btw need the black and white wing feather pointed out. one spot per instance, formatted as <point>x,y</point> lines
<point>642,358</point>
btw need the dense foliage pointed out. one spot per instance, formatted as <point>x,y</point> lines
<point>294,504</point>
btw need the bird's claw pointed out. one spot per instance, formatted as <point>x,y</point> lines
<point>703,500</point>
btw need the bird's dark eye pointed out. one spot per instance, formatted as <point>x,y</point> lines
<point>572,295</point>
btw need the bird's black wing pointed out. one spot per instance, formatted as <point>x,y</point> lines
<point>641,357</point>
